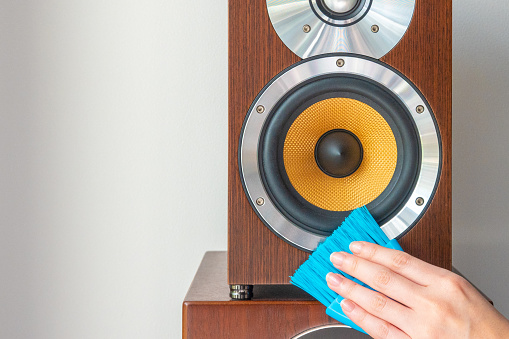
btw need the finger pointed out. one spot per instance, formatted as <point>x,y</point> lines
<point>375,327</point>
<point>379,277</point>
<point>403,263</point>
<point>373,302</point>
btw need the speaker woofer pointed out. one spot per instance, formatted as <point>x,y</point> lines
<point>402,156</point>
<point>361,183</point>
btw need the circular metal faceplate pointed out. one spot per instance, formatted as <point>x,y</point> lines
<point>306,70</point>
<point>335,35</point>
<point>331,331</point>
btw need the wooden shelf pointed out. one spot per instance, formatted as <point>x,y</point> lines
<point>276,311</point>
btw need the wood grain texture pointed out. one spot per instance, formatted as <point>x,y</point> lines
<point>207,312</point>
<point>275,311</point>
<point>256,54</point>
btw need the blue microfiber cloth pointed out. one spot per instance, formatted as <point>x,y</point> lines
<point>310,276</point>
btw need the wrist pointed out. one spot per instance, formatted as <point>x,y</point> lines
<point>490,324</point>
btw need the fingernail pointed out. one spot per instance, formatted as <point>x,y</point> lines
<point>337,258</point>
<point>356,247</point>
<point>347,305</point>
<point>334,280</point>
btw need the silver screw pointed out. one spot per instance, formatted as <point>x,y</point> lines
<point>306,28</point>
<point>260,201</point>
<point>375,28</point>
<point>419,109</point>
<point>340,62</point>
<point>260,109</point>
<point>419,201</point>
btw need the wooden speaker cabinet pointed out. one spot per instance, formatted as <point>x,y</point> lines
<point>421,59</point>
<point>274,312</point>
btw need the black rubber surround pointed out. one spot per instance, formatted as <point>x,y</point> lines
<point>271,161</point>
<point>344,16</point>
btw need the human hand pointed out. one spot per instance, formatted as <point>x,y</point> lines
<point>414,299</point>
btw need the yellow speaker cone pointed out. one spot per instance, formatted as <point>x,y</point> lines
<point>367,182</point>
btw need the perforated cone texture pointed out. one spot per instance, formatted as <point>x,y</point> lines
<point>370,179</point>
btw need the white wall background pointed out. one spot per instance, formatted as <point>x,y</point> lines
<point>481,146</point>
<point>113,124</point>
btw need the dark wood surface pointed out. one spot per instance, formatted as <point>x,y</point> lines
<point>256,54</point>
<point>274,312</point>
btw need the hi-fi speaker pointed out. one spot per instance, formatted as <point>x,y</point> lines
<point>333,105</point>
